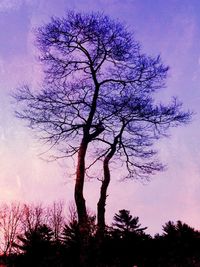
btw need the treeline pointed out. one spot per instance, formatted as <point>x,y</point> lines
<point>33,235</point>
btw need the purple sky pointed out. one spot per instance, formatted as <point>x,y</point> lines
<point>170,28</point>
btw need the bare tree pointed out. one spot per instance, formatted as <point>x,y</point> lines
<point>33,217</point>
<point>56,219</point>
<point>98,89</point>
<point>10,226</point>
<point>140,123</point>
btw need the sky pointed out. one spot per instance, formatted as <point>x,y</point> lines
<point>169,28</point>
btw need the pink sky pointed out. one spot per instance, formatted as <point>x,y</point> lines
<point>170,28</point>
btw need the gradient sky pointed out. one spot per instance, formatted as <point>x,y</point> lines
<point>169,28</point>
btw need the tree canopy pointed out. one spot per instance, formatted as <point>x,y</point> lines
<point>98,96</point>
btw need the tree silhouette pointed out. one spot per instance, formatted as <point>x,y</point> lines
<point>10,226</point>
<point>126,223</point>
<point>33,217</point>
<point>125,243</point>
<point>36,244</point>
<point>128,239</point>
<point>56,220</point>
<point>98,90</point>
<point>71,239</point>
<point>140,123</point>
<point>178,245</point>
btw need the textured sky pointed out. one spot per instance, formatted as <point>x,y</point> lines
<point>169,28</point>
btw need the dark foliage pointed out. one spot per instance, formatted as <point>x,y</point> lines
<point>125,244</point>
<point>36,245</point>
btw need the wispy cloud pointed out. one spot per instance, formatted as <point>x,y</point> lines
<point>11,4</point>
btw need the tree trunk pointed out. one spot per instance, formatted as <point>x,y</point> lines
<point>80,176</point>
<point>103,193</point>
<point>102,199</point>
<point>101,210</point>
<point>102,202</point>
<point>80,204</point>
